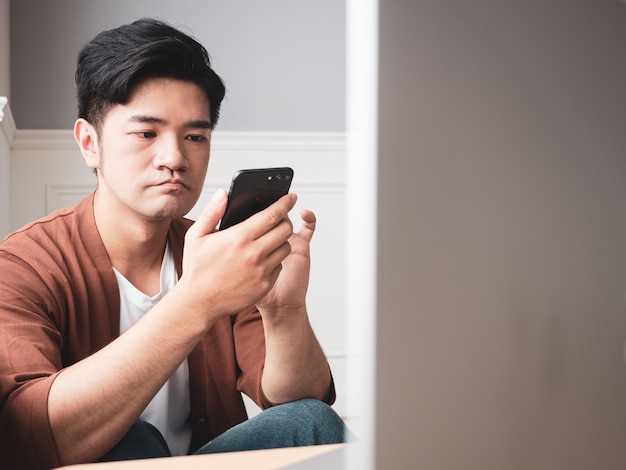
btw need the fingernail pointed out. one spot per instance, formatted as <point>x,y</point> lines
<point>219,195</point>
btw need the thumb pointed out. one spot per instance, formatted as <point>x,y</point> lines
<point>211,214</point>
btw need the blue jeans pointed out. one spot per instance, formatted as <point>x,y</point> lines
<point>300,423</point>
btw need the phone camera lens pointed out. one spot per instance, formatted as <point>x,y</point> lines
<point>279,177</point>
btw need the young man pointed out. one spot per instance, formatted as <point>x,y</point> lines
<point>127,332</point>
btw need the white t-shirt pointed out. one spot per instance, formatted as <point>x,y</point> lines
<point>169,410</point>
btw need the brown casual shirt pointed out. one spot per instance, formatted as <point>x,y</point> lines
<point>59,303</point>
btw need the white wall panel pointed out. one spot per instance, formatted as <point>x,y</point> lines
<point>7,132</point>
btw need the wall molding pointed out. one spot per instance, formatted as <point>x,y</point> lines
<point>7,124</point>
<point>313,141</point>
<point>44,139</point>
<point>3,101</point>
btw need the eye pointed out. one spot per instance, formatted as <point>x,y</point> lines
<point>196,138</point>
<point>146,134</point>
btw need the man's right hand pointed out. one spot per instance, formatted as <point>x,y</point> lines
<point>227,271</point>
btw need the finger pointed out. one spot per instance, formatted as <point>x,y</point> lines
<point>278,255</point>
<point>263,221</point>
<point>211,214</point>
<point>309,221</point>
<point>275,238</point>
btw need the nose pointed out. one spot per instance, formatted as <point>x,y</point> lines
<point>170,154</point>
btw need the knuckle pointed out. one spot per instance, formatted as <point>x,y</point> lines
<point>273,216</point>
<point>289,226</point>
<point>285,228</point>
<point>250,259</point>
<point>265,286</point>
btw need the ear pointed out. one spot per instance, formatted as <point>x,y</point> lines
<point>87,138</point>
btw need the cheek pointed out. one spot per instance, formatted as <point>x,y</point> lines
<point>119,172</point>
<point>204,167</point>
<point>123,162</point>
<point>198,164</point>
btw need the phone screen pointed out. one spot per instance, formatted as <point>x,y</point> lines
<point>253,190</point>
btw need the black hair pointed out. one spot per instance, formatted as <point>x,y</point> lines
<point>117,60</point>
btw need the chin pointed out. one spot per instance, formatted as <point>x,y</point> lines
<point>171,212</point>
<point>173,208</point>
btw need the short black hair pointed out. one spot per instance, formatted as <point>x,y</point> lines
<point>113,63</point>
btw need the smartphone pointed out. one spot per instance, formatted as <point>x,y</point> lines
<point>253,190</point>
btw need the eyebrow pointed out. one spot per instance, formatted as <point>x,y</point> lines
<point>194,124</point>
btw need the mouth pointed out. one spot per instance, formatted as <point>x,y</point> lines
<point>172,184</point>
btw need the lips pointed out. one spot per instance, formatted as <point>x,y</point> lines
<point>173,183</point>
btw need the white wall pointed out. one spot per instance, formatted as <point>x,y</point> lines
<point>5,129</point>
<point>501,235</point>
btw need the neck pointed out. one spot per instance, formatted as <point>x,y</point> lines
<point>135,246</point>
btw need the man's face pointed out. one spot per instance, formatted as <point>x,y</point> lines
<point>153,152</point>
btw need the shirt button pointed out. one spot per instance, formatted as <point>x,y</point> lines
<point>202,423</point>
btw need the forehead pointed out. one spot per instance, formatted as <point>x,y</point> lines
<point>165,98</point>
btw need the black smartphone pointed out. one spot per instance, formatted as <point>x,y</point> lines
<point>253,190</point>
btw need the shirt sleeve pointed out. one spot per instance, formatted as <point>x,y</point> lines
<point>30,358</point>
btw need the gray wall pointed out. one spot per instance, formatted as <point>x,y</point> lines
<point>282,60</point>
<point>5,66</point>
<point>501,235</point>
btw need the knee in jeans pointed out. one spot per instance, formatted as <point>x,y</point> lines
<point>315,409</point>
<point>320,419</point>
<point>142,441</point>
<point>143,427</point>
